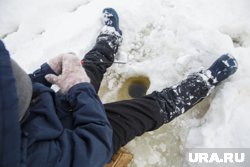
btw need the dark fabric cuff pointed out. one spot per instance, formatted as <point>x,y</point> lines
<point>39,74</point>
<point>77,89</point>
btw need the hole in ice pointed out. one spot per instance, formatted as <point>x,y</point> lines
<point>134,87</point>
<point>137,89</point>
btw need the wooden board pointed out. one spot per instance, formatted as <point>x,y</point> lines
<point>121,159</point>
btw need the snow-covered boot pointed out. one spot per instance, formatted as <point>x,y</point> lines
<point>110,18</point>
<point>176,100</point>
<point>107,42</point>
<point>110,35</point>
<point>221,69</point>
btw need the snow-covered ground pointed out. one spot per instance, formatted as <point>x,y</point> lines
<point>164,40</point>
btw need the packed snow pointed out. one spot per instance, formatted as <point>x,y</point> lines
<point>164,40</point>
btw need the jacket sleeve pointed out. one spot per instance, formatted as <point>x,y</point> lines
<point>39,75</point>
<point>10,135</point>
<point>91,137</point>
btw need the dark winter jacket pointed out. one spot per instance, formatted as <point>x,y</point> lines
<point>69,130</point>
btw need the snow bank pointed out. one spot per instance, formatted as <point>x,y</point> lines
<point>164,40</point>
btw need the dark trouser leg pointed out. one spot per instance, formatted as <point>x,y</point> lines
<point>131,118</point>
<point>97,60</point>
<point>93,65</point>
<point>178,99</point>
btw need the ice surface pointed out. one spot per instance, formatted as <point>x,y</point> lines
<point>165,40</point>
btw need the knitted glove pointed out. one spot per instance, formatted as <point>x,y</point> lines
<point>72,72</point>
<point>56,63</point>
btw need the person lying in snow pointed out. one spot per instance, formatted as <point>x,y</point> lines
<point>71,127</point>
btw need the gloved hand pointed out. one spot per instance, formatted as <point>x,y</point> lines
<point>56,63</point>
<point>72,72</point>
